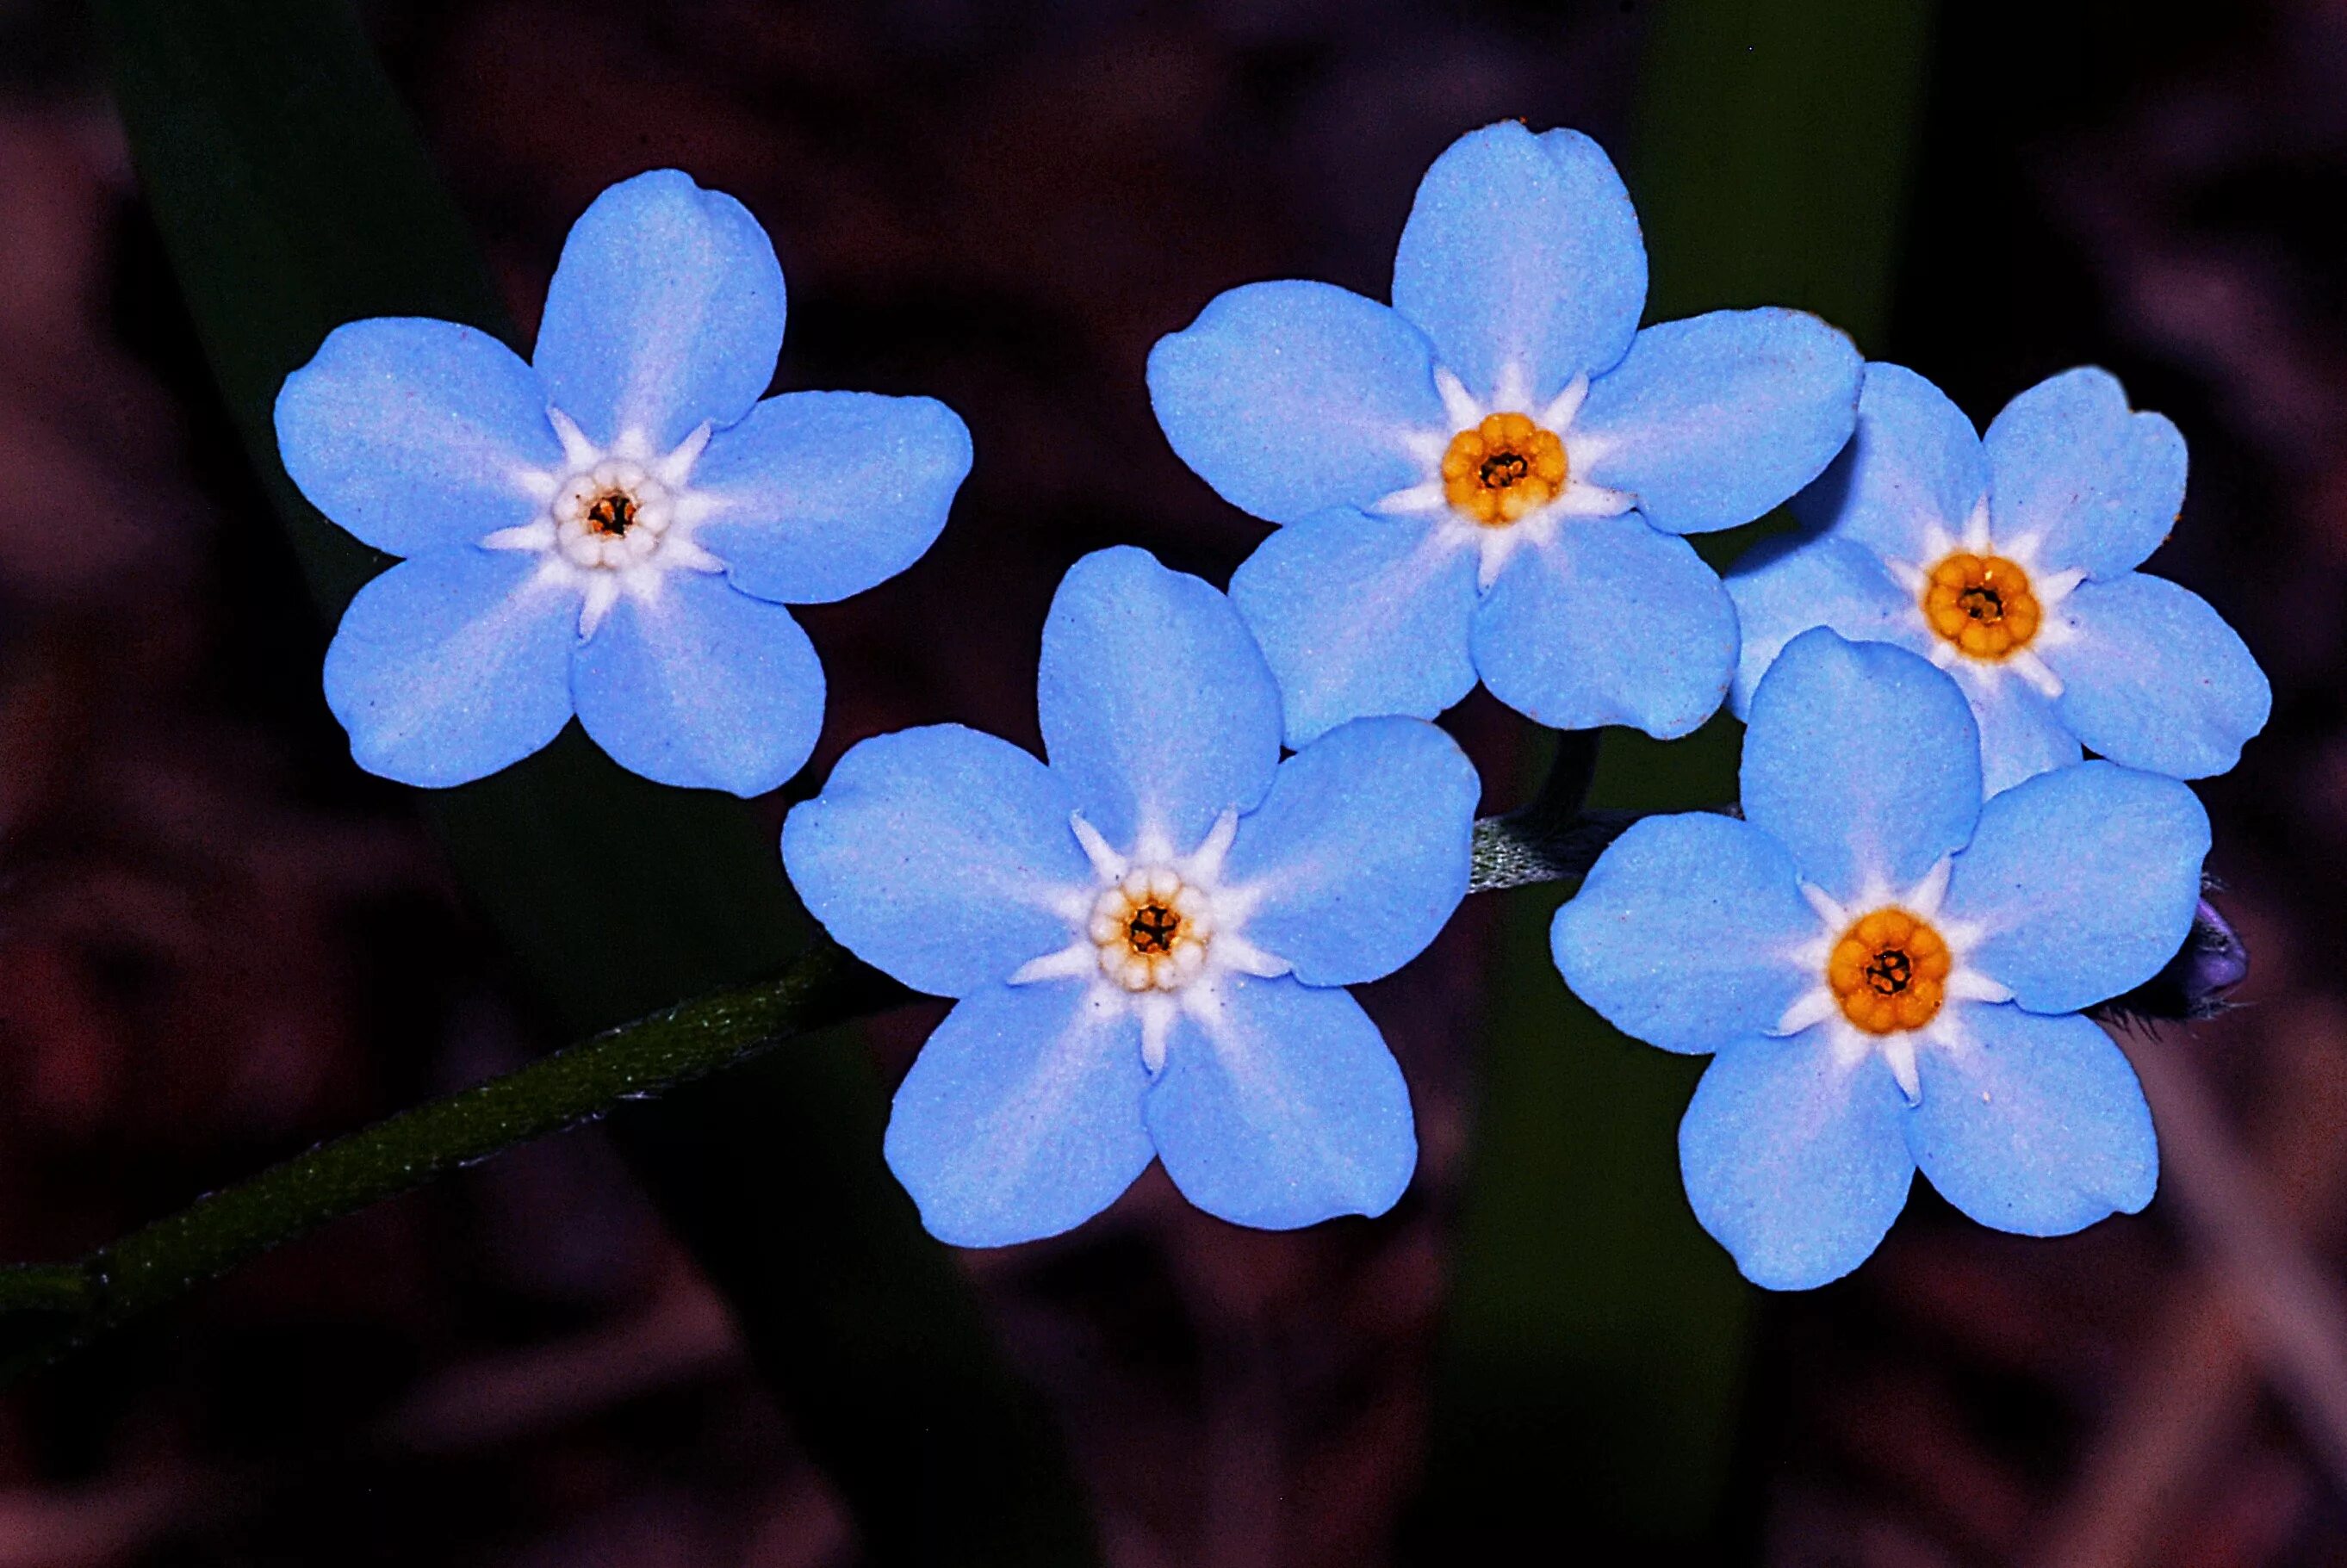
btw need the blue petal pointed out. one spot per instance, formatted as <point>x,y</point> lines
<point>1290,396</point>
<point>1714,420</point>
<point>941,856</point>
<point>1358,614</point>
<point>451,666</point>
<point>1021,1118</point>
<point>1281,1107</point>
<point>1522,252</point>
<point>823,494</point>
<point>1680,934</point>
<point>1795,1164</point>
<point>703,688</point>
<point>1913,465</point>
<point>410,432</point>
<point>1611,623</point>
<point>2070,465</point>
<point>1359,853</point>
<point>2154,678</point>
<point>1784,587</point>
<point>2022,732</point>
<point>2086,880</point>
<point>2035,1125</point>
<point>1863,761</point>
<point>665,310</point>
<point>1157,706</point>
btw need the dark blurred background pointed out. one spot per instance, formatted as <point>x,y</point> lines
<point>218,942</point>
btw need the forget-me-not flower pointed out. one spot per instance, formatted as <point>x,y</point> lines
<point>2010,562</point>
<point>1492,476</point>
<point>612,528</point>
<point>1148,936</point>
<point>1889,972</point>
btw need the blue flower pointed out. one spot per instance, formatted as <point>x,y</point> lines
<point>612,529</point>
<point>1889,972</point>
<point>2011,564</point>
<point>1148,937</point>
<point>1491,477</point>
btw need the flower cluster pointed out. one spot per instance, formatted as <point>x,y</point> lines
<point>1243,810</point>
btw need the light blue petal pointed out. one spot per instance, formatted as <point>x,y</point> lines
<point>703,688</point>
<point>2022,732</point>
<point>451,666</point>
<point>1611,623</point>
<point>1795,1163</point>
<point>1522,251</point>
<point>1283,1107</point>
<point>1290,396</point>
<point>1021,1117</point>
<point>1863,761</point>
<point>1359,853</point>
<point>2154,678</point>
<point>941,856</point>
<point>1784,587</point>
<point>1712,421</point>
<point>1914,465</point>
<point>1358,614</point>
<point>410,432</point>
<point>2085,879</point>
<point>665,310</point>
<point>1682,933</point>
<point>1157,708</point>
<point>2035,1126</point>
<point>823,494</point>
<point>2070,465</point>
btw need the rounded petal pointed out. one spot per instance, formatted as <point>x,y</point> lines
<point>1609,623</point>
<point>2085,880</point>
<point>2022,732</point>
<point>1522,256</point>
<point>1712,421</point>
<point>665,310</point>
<point>1797,1164</point>
<point>1021,1117</point>
<point>1280,1106</point>
<point>820,494</point>
<point>1786,586</point>
<point>941,856</point>
<point>1157,707</point>
<point>1863,761</point>
<point>2033,1124</point>
<point>1290,396</point>
<point>2070,467</point>
<point>1359,615</point>
<point>1360,852</point>
<point>451,666</point>
<point>702,688</point>
<point>1682,934</point>
<point>1914,470</point>
<point>411,434</point>
<point>2154,678</point>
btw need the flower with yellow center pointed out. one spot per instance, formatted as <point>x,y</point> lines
<point>1503,469</point>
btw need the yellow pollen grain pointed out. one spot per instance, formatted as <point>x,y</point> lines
<point>1982,604</point>
<point>1502,469</point>
<point>1888,971</point>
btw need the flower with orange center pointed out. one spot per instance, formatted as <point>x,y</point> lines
<point>1982,604</point>
<point>1888,971</point>
<point>1496,472</point>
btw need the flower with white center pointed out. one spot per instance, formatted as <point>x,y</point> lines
<point>1491,479</point>
<point>1148,936</point>
<point>611,529</point>
<point>1888,971</point>
<point>2009,562</point>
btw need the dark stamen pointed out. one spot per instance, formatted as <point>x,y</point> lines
<point>613,515</point>
<point>1889,971</point>
<point>1152,928</point>
<point>1504,468</point>
<point>1982,603</point>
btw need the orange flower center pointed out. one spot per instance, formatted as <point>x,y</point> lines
<point>1982,604</point>
<point>1888,971</point>
<point>1502,469</point>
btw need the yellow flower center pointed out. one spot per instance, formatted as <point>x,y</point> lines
<point>1151,930</point>
<point>1982,604</point>
<point>1502,469</point>
<point>1888,971</point>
